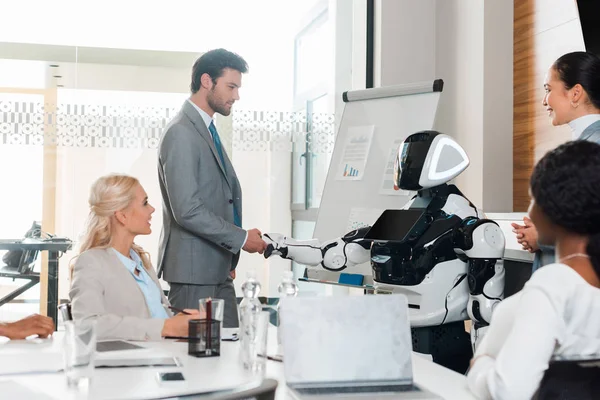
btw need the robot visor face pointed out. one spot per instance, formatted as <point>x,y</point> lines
<point>410,160</point>
<point>427,159</point>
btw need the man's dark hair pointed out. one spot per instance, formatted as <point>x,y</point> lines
<point>213,63</point>
<point>566,186</point>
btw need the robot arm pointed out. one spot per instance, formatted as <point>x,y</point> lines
<point>306,252</point>
<point>481,241</point>
<point>333,255</point>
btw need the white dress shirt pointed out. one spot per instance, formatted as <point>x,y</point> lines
<point>556,313</point>
<point>208,120</point>
<point>580,124</point>
<point>205,117</point>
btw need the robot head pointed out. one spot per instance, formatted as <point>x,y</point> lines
<point>426,159</point>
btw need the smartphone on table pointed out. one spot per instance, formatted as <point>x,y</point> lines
<point>169,377</point>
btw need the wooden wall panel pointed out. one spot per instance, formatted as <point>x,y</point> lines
<point>543,31</point>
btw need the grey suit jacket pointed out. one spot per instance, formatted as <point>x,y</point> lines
<point>545,255</point>
<point>199,243</point>
<point>104,290</point>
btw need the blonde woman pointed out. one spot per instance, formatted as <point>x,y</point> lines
<point>113,281</point>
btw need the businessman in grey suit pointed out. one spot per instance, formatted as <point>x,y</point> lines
<point>202,233</point>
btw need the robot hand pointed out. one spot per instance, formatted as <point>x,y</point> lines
<point>306,252</point>
<point>334,255</point>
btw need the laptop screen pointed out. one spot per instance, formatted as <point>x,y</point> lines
<point>329,341</point>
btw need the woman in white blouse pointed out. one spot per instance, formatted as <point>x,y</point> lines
<point>558,311</point>
<point>572,96</point>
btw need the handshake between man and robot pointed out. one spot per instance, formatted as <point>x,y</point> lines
<point>438,249</point>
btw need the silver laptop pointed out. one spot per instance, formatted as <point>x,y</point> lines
<point>348,347</point>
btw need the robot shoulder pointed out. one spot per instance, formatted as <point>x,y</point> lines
<point>480,238</point>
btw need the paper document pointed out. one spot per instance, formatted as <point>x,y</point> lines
<point>229,333</point>
<point>356,152</point>
<point>387,185</point>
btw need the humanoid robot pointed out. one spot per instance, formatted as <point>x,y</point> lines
<point>438,250</point>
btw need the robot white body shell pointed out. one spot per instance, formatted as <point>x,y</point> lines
<point>466,282</point>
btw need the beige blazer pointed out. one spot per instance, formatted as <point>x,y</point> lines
<point>104,290</point>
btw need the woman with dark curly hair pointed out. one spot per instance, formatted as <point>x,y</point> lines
<point>558,311</point>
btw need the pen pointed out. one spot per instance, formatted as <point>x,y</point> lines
<point>209,326</point>
<point>179,310</point>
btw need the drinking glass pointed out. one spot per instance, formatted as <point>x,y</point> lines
<point>79,349</point>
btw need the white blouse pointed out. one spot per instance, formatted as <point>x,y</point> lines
<point>556,313</point>
<point>581,124</point>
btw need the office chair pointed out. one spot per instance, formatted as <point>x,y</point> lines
<point>265,391</point>
<point>573,379</point>
<point>65,311</point>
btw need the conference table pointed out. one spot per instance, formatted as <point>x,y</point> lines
<point>28,369</point>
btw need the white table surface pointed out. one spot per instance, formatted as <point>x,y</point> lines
<point>202,374</point>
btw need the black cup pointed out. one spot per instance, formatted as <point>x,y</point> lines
<point>204,338</point>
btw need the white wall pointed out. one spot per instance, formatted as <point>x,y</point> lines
<point>404,41</point>
<point>467,43</point>
<point>474,56</point>
<point>459,62</point>
<point>498,106</point>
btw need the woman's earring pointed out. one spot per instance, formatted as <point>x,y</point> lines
<point>574,105</point>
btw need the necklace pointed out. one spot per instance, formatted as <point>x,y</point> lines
<point>574,255</point>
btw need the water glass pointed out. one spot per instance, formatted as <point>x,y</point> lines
<point>79,349</point>
<point>216,310</point>
<point>256,344</point>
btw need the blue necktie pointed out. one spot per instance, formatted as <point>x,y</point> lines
<point>217,142</point>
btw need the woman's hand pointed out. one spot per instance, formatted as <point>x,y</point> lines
<point>527,235</point>
<point>472,362</point>
<point>192,311</point>
<point>178,324</point>
<point>32,325</point>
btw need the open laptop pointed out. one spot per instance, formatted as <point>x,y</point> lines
<point>348,347</point>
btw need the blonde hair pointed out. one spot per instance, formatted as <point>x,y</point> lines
<point>109,194</point>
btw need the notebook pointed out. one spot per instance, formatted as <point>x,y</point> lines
<point>352,346</point>
<point>116,345</point>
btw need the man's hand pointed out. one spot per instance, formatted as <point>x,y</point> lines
<point>32,325</point>
<point>527,235</point>
<point>232,274</point>
<point>254,242</point>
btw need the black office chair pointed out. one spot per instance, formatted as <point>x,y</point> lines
<point>265,391</point>
<point>573,379</point>
<point>65,311</point>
